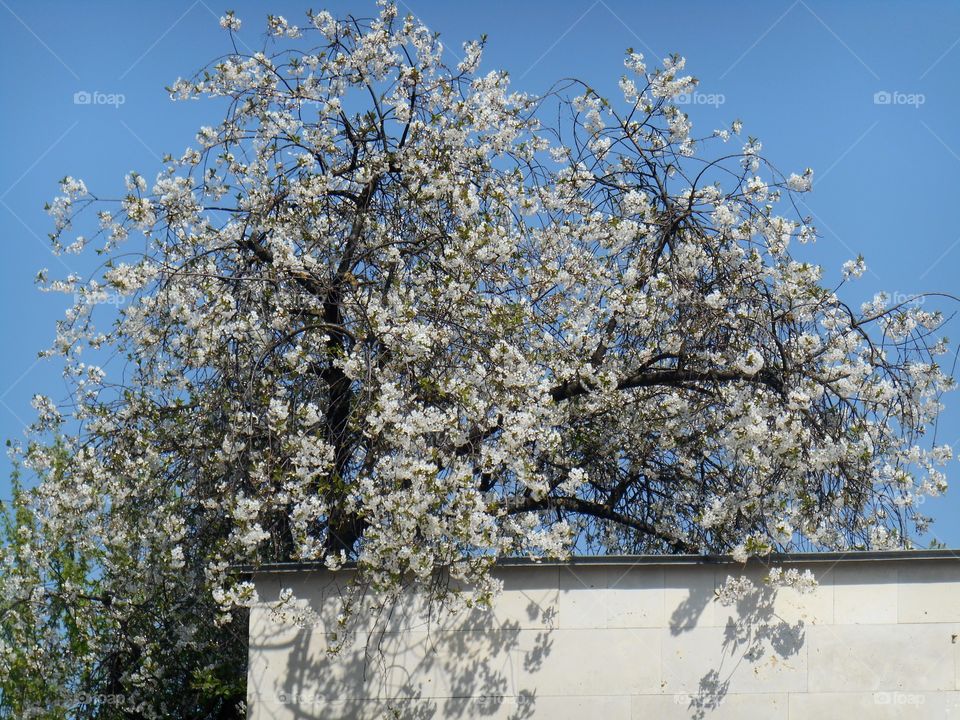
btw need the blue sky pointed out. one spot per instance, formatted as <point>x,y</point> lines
<point>803,76</point>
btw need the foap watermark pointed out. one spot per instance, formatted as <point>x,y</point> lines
<point>895,97</point>
<point>94,699</point>
<point>898,698</point>
<point>701,98</point>
<point>700,700</point>
<point>100,298</point>
<point>96,97</point>
<point>902,299</point>
<point>302,699</point>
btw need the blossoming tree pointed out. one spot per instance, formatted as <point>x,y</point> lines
<point>391,313</point>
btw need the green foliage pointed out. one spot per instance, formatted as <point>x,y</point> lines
<point>65,637</point>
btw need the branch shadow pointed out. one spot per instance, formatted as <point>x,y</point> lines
<point>413,661</point>
<point>753,631</point>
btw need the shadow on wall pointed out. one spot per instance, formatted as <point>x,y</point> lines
<point>367,680</point>
<point>752,631</point>
<point>523,659</point>
<point>412,661</point>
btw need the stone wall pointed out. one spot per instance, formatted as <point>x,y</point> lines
<point>877,638</point>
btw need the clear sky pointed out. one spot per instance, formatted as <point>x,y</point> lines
<point>803,75</point>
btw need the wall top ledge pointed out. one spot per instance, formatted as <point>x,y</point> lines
<point>633,560</point>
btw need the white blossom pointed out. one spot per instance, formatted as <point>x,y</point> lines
<point>229,21</point>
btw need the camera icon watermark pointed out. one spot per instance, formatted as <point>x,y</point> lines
<point>895,97</point>
<point>699,98</point>
<point>96,97</point>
